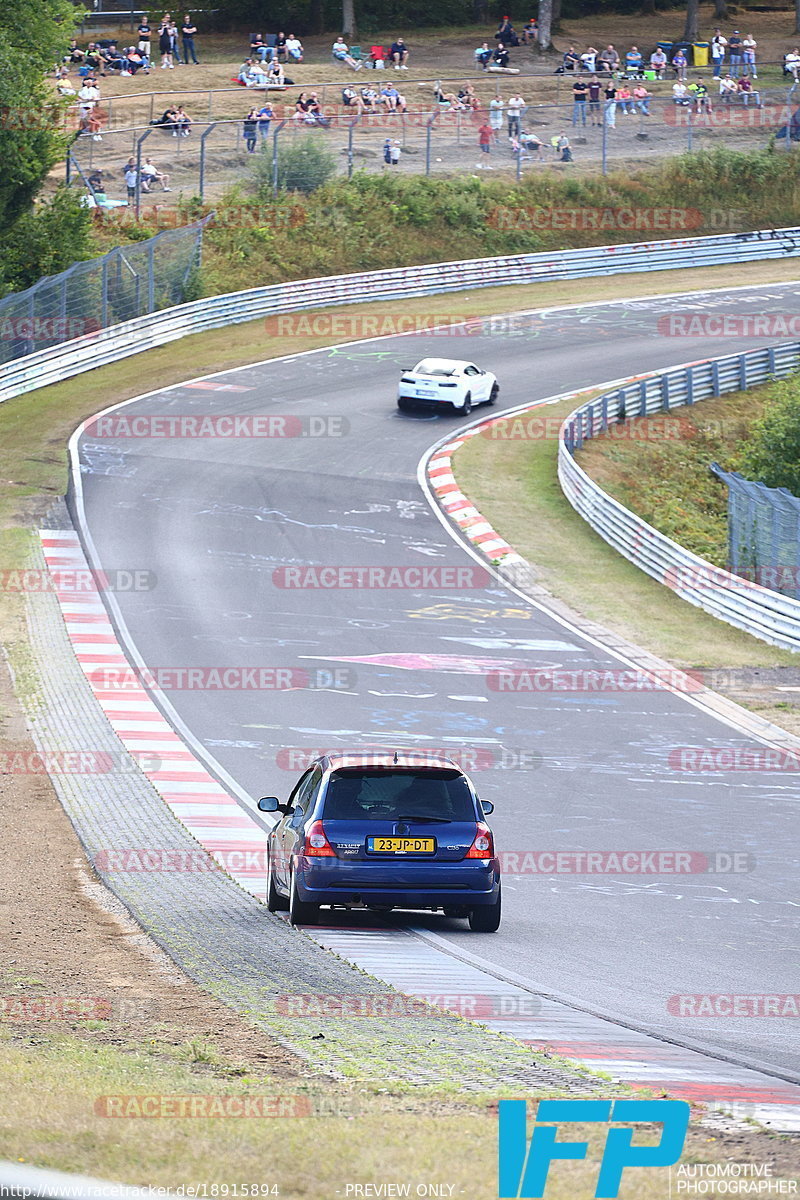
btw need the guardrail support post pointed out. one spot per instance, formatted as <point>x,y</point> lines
<point>665,393</point>
<point>428,132</point>
<point>690,385</point>
<point>643,398</point>
<point>771,360</point>
<point>715,378</point>
<point>604,416</point>
<point>742,371</point>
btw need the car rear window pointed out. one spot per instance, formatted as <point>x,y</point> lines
<point>381,795</point>
<point>427,367</point>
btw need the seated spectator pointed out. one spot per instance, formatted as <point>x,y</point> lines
<point>447,99</point>
<point>483,55</point>
<point>135,61</point>
<point>388,97</point>
<point>168,120</point>
<point>589,60</point>
<point>680,93</point>
<point>728,88</point>
<point>468,97</point>
<point>294,49</point>
<point>658,62</point>
<point>276,76</point>
<point>506,33</point>
<point>351,99</point>
<point>791,63</point>
<point>95,180</point>
<point>500,56</point>
<point>745,88</point>
<point>571,60</point>
<point>74,53</point>
<point>92,60</point>
<point>530,30</point>
<point>369,98</point>
<point>633,61</point>
<point>399,55</point>
<point>111,59</point>
<point>529,141</point>
<point>182,121</point>
<point>341,52</point>
<point>257,75</point>
<point>151,174</point>
<point>259,48</point>
<point>699,92</point>
<point>89,97</point>
<point>625,100</point>
<point>280,46</point>
<point>679,65</point>
<point>642,99</point>
<point>609,60</point>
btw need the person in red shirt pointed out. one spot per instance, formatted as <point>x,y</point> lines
<point>485,138</point>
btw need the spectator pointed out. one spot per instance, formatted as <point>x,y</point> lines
<point>341,52</point>
<point>506,34</point>
<point>95,180</point>
<point>594,100</point>
<point>530,30</point>
<point>399,55</point>
<point>589,60</point>
<point>658,62</point>
<point>250,130</point>
<point>791,63</point>
<point>718,45</point>
<point>259,48</point>
<point>485,138</point>
<point>563,148</point>
<point>571,60</point>
<point>392,99</point>
<point>610,110</point>
<point>135,61</point>
<point>369,98</point>
<point>529,141</point>
<point>257,75</point>
<point>496,107</point>
<point>633,61</point>
<point>609,60</point>
<point>74,54</point>
<point>699,92</point>
<point>151,174</point>
<point>745,86</point>
<point>749,45</point>
<point>791,131</point>
<point>183,122</point>
<point>500,56</point>
<point>351,99</point>
<point>625,101</point>
<point>736,50</point>
<point>173,39</point>
<point>280,46</point>
<point>314,110</point>
<point>728,88</point>
<point>514,111</point>
<point>145,34</point>
<point>265,115</point>
<point>276,76</point>
<point>111,58</point>
<point>679,65</point>
<point>580,92</point>
<point>483,55</point>
<point>188,30</point>
<point>89,97</point>
<point>294,49</point>
<point>468,97</point>
<point>132,178</point>
<point>165,46</point>
<point>642,98</point>
<point>680,93</point>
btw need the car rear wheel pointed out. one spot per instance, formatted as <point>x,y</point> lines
<point>455,911</point>
<point>300,912</point>
<point>403,404</point>
<point>467,409</point>
<point>486,919</point>
<point>275,901</point>
<point>495,392</point>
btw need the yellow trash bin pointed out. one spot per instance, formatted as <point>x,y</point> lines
<point>701,54</point>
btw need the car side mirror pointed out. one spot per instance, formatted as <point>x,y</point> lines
<point>487,807</point>
<point>271,804</point>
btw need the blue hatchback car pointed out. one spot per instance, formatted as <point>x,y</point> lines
<point>380,831</point>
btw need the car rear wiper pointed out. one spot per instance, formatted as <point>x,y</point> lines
<point>426,820</point>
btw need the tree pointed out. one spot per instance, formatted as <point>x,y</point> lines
<point>692,26</point>
<point>545,25</point>
<point>349,28</point>
<point>720,10</point>
<point>771,454</point>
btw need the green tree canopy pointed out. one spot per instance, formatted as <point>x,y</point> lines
<point>771,454</point>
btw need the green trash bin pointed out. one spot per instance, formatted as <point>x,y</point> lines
<point>650,76</point>
<point>701,54</point>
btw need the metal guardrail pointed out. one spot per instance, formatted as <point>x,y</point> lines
<point>157,329</point>
<point>765,614</point>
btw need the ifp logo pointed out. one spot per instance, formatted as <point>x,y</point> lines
<point>523,1169</point>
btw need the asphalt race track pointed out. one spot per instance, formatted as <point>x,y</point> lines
<point>215,518</point>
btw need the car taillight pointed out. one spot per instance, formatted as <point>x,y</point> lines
<point>316,843</point>
<point>483,845</point>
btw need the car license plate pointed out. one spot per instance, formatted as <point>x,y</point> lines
<point>400,845</point>
<point>423,392</point>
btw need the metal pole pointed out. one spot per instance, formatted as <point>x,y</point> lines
<point>350,129</point>
<point>139,141</point>
<point>278,128</point>
<point>788,114</point>
<point>203,137</point>
<point>689,131</point>
<point>605,134</point>
<point>519,160</point>
<point>68,169</point>
<point>428,132</point>
<point>104,295</point>
<point>151,275</point>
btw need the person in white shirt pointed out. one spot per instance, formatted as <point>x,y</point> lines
<point>718,45</point>
<point>728,88</point>
<point>514,110</point>
<point>89,96</point>
<point>294,48</point>
<point>496,106</point>
<point>339,50</point>
<point>791,62</point>
<point>680,92</point>
<point>589,60</point>
<point>749,44</point>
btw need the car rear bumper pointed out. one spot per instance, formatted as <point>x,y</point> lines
<point>431,401</point>
<point>471,884</point>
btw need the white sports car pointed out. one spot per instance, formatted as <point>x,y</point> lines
<point>436,381</point>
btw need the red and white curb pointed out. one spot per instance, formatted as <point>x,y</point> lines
<point>199,802</point>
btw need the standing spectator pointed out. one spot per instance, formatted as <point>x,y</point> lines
<point>165,46</point>
<point>625,101</point>
<point>594,100</point>
<point>145,33</point>
<point>265,115</point>
<point>250,130</point>
<point>485,138</point>
<point>718,45</point>
<point>294,49</point>
<point>580,92</point>
<point>749,44</point>
<point>394,153</point>
<point>679,64</point>
<point>633,61</point>
<point>188,30</point>
<point>658,62</point>
<point>399,55</point>
<point>610,112</point>
<point>173,38</point>
<point>131,180</point>
<point>514,110</point>
<point>736,48</point>
<point>496,106</point>
<point>609,60</point>
<point>642,98</point>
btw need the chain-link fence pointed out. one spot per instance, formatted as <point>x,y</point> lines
<point>128,282</point>
<point>763,533</point>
